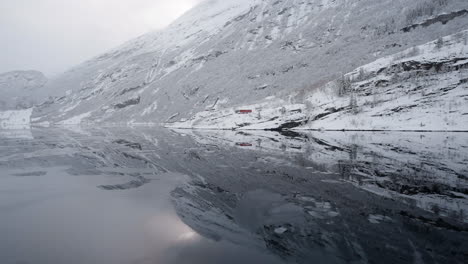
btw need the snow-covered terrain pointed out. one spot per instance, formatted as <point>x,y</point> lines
<point>19,92</point>
<point>223,55</point>
<point>422,88</point>
<point>21,89</point>
<point>15,119</point>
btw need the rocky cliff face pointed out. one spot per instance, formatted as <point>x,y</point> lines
<point>224,54</point>
<point>21,89</point>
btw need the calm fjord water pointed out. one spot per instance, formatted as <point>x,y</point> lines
<point>152,195</point>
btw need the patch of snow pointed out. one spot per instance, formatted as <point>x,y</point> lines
<point>76,120</point>
<point>15,119</point>
<point>280,230</point>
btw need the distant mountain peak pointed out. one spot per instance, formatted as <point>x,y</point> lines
<point>21,89</point>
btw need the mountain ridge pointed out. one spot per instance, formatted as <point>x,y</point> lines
<point>21,89</point>
<point>222,54</point>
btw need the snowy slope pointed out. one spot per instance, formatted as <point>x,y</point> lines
<point>15,119</point>
<point>422,88</point>
<point>224,54</point>
<point>21,89</point>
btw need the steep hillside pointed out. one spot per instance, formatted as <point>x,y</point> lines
<point>422,88</point>
<point>21,89</point>
<point>223,54</point>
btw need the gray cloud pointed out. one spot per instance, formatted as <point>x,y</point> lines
<point>52,35</point>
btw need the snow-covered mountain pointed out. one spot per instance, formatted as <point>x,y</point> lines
<point>21,89</point>
<point>226,54</point>
<point>397,92</point>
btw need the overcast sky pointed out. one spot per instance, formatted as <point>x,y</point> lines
<point>53,35</point>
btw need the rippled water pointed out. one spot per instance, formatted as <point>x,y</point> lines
<point>150,195</point>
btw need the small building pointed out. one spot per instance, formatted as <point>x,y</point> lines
<point>240,144</point>
<point>244,111</point>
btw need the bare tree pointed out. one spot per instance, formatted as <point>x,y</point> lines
<point>283,110</point>
<point>413,52</point>
<point>362,74</point>
<point>353,103</point>
<point>344,85</point>
<point>439,43</point>
<point>374,98</point>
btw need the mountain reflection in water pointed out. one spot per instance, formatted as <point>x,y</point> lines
<point>151,195</point>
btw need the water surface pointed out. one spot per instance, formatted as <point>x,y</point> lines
<point>151,195</point>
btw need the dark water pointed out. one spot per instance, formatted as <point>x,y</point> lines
<point>151,195</point>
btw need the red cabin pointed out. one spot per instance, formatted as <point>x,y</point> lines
<point>244,144</point>
<point>244,111</point>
